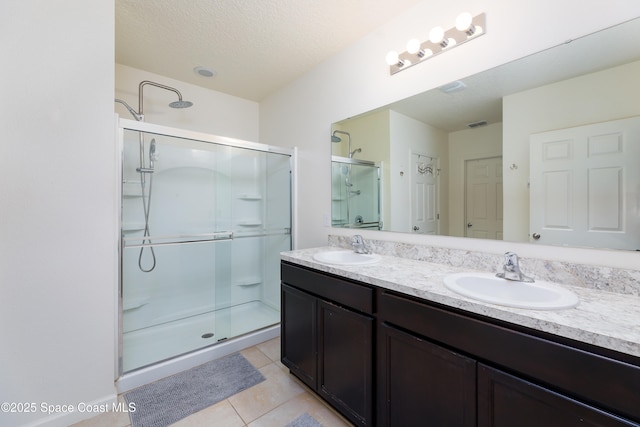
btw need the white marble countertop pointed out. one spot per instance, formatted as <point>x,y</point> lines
<point>604,319</point>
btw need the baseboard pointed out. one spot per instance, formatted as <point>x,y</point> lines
<point>81,411</point>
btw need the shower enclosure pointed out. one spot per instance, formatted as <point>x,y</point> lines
<point>355,193</point>
<point>203,220</point>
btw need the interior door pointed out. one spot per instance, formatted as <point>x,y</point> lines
<point>424,194</point>
<point>584,185</point>
<point>483,198</point>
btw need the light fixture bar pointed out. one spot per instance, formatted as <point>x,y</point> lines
<point>466,28</point>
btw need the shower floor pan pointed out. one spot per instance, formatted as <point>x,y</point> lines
<point>151,345</point>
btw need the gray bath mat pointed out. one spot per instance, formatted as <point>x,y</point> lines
<point>304,420</point>
<point>170,399</point>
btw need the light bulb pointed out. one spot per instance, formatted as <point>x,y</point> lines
<point>392,57</point>
<point>436,35</point>
<point>463,21</point>
<point>413,46</point>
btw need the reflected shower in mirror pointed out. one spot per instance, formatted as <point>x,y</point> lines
<point>475,136</point>
<point>355,186</point>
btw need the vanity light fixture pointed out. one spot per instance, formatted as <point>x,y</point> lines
<point>467,28</point>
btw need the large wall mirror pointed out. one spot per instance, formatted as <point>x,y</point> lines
<point>544,149</point>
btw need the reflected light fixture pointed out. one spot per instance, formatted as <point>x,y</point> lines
<point>467,28</point>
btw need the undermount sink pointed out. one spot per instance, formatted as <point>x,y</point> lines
<point>346,258</point>
<point>487,287</point>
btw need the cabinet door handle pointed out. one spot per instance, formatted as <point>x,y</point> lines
<point>536,236</point>
<point>416,228</point>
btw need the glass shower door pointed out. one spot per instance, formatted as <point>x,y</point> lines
<point>199,224</point>
<point>355,193</point>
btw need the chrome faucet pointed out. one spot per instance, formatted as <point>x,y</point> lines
<point>512,269</point>
<point>357,243</point>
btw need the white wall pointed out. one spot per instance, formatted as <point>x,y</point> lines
<point>597,97</point>
<point>212,112</point>
<point>58,236</point>
<point>359,78</point>
<point>412,136</point>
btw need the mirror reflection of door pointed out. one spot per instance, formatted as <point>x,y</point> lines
<point>424,194</point>
<point>584,189</point>
<point>483,198</point>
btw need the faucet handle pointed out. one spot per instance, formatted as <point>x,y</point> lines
<point>512,269</point>
<point>357,242</point>
<point>511,260</point>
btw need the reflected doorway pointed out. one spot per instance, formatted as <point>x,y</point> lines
<point>424,194</point>
<point>483,198</point>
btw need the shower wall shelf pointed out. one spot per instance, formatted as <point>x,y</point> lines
<point>249,282</point>
<point>135,303</point>
<point>133,226</point>
<point>250,197</point>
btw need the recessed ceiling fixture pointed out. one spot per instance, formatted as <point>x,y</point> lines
<point>204,71</point>
<point>467,28</point>
<point>452,87</point>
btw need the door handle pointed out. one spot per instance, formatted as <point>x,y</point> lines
<point>469,225</point>
<point>416,228</point>
<point>536,236</point>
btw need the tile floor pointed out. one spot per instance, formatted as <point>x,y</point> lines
<point>275,402</point>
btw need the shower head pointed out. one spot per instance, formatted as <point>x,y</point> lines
<point>181,104</point>
<point>176,104</point>
<point>335,138</point>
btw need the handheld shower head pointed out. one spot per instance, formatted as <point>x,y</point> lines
<point>153,155</point>
<point>133,112</point>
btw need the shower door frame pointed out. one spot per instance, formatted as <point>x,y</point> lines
<point>123,125</point>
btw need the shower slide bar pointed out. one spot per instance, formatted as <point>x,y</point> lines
<point>198,238</point>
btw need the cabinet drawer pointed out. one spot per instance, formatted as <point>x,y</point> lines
<point>588,376</point>
<point>343,292</point>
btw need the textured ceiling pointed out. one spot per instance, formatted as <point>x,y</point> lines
<point>255,46</point>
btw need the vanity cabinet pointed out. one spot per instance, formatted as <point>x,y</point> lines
<point>436,365</point>
<point>506,400</point>
<point>327,339</point>
<point>423,384</point>
<point>521,377</point>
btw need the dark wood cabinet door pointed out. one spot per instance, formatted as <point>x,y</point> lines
<point>506,401</point>
<point>346,361</point>
<point>299,338</point>
<point>422,384</point>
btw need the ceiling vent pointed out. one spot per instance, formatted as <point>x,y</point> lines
<point>477,124</point>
